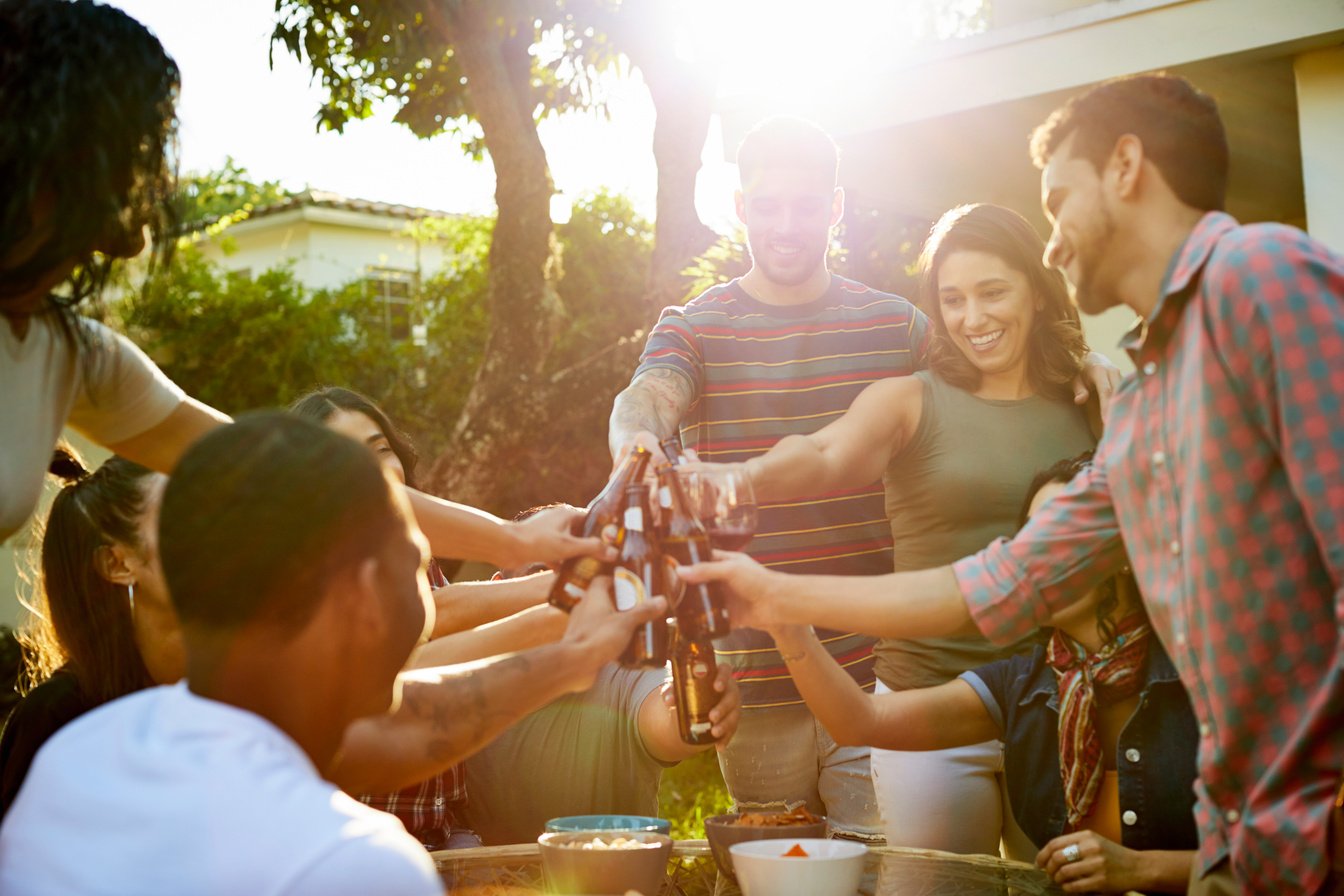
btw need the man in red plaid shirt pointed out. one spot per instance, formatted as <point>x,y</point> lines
<point>1221,473</point>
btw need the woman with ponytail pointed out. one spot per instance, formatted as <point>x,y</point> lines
<point>103,625</point>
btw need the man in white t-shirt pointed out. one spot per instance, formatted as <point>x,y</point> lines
<point>297,574</point>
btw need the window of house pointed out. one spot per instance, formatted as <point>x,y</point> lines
<point>395,291</point>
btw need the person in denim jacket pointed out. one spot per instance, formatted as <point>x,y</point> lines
<point>1099,737</point>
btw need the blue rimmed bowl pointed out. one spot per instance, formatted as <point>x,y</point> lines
<point>644,823</point>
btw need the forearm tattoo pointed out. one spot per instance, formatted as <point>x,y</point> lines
<point>655,402</point>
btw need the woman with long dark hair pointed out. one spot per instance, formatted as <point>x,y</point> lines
<point>956,445</point>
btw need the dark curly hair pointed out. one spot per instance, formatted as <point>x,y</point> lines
<point>1056,345</point>
<point>1108,591</point>
<point>87,145</point>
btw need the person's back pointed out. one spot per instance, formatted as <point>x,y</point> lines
<point>299,604</point>
<point>176,794</point>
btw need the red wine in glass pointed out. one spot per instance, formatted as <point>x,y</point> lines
<point>729,539</point>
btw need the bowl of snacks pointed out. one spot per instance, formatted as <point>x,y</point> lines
<point>584,863</point>
<point>799,867</point>
<point>609,823</point>
<point>722,831</point>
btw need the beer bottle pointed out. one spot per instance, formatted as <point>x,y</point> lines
<point>577,573</point>
<point>693,674</point>
<point>672,448</point>
<point>700,608</point>
<point>638,577</point>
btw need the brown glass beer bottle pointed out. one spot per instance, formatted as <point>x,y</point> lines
<point>672,448</point>
<point>638,577</point>
<point>700,609</point>
<point>693,674</point>
<point>576,574</point>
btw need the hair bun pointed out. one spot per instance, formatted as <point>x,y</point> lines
<point>67,465</point>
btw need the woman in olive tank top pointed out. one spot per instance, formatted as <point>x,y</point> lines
<point>957,446</point>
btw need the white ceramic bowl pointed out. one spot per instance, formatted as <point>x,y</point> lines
<point>830,868</point>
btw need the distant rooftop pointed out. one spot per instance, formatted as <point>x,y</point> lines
<point>327,199</point>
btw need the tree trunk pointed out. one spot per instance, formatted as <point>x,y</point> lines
<point>492,437</point>
<point>682,91</point>
<point>681,125</point>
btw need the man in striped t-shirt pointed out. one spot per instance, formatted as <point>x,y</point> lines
<point>783,351</point>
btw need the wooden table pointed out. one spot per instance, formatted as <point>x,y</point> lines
<point>516,871</point>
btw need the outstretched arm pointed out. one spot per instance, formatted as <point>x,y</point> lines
<point>532,627</point>
<point>462,606</point>
<point>936,718</point>
<point>447,714</point>
<point>850,452</point>
<point>923,604</point>
<point>456,530</point>
<point>162,445</point>
<point>648,410</point>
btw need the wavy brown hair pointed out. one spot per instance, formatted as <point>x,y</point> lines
<point>1055,346</point>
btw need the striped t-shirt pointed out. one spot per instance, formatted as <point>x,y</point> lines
<point>760,373</point>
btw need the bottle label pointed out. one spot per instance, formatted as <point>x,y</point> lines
<point>699,669</point>
<point>628,589</point>
<point>634,519</point>
<point>700,728</point>
<point>665,497</point>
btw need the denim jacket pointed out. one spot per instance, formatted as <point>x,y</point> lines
<point>1155,758</point>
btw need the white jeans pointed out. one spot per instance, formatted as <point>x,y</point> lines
<point>782,755</point>
<point>952,800</point>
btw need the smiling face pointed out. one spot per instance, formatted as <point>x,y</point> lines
<point>789,213</point>
<point>1082,238</point>
<point>357,426</point>
<point>989,311</point>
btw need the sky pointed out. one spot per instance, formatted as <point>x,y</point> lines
<point>234,104</point>
<point>783,53</point>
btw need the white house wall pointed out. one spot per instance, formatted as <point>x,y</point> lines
<point>326,248</point>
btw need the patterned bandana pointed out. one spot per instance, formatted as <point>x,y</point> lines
<point>1087,681</point>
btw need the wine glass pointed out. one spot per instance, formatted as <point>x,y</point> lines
<point>722,497</point>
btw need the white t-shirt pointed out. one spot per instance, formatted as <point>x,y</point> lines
<point>164,792</point>
<point>44,385</point>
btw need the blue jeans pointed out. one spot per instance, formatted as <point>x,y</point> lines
<point>782,757</point>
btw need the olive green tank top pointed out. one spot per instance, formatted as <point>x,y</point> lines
<point>958,484</point>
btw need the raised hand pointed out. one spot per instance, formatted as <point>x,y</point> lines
<point>749,587</point>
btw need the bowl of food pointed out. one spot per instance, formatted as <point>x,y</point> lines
<point>722,831</point>
<point>799,867</point>
<point>609,823</point>
<point>588,863</point>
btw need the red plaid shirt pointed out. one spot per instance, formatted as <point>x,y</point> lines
<point>429,810</point>
<point>1222,473</point>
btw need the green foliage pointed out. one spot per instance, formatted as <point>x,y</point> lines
<point>238,343</point>
<point>692,791</point>
<point>402,52</point>
<point>603,251</point>
<point>223,193</point>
